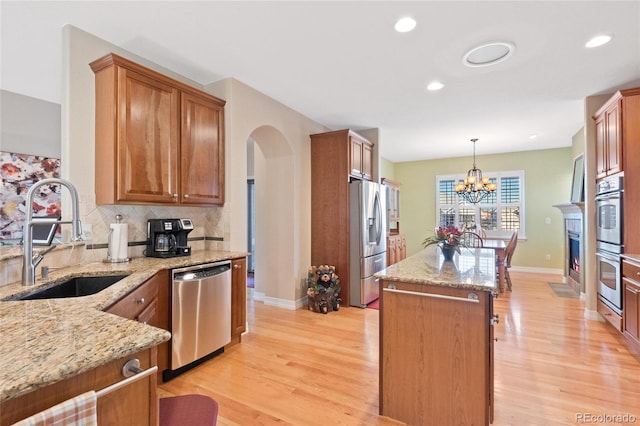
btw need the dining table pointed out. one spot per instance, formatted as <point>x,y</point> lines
<point>500,248</point>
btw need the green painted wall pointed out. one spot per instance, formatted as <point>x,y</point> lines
<point>387,169</point>
<point>547,182</point>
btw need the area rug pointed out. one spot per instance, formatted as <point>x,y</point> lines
<point>374,305</point>
<point>563,290</point>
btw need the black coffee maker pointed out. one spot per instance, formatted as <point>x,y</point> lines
<point>168,237</point>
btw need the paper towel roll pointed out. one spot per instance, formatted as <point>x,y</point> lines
<point>118,238</point>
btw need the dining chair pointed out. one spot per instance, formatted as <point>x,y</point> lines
<point>511,247</point>
<point>472,239</point>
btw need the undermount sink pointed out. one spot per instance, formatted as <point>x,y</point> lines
<point>74,287</point>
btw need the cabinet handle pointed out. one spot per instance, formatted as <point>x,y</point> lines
<point>435,296</point>
<point>137,375</point>
<point>638,273</point>
<point>186,195</point>
<point>236,266</point>
<point>175,195</point>
<point>140,300</point>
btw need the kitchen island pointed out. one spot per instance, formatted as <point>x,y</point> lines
<point>436,338</point>
<point>46,342</point>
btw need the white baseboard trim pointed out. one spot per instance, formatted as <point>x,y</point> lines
<point>537,270</point>
<point>291,305</point>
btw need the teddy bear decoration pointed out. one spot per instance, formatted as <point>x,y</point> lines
<point>323,289</point>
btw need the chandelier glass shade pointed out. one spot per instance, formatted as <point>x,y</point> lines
<point>474,188</point>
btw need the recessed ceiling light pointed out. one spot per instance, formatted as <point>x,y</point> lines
<point>435,85</point>
<point>598,41</point>
<point>488,54</point>
<point>532,137</point>
<point>405,25</point>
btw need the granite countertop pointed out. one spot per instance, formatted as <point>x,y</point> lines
<point>473,269</point>
<point>45,341</point>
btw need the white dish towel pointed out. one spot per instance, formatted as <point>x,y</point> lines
<point>78,411</point>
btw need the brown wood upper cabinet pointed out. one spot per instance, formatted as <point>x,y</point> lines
<point>608,143</point>
<point>617,132</point>
<point>360,157</point>
<point>158,141</point>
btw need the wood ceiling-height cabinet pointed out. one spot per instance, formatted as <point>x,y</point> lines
<point>336,157</point>
<point>618,148</point>
<point>158,141</point>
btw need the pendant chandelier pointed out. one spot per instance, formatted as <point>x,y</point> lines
<point>474,187</point>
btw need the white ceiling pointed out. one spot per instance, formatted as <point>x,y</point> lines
<point>343,65</point>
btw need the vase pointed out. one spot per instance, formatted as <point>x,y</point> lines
<point>448,251</point>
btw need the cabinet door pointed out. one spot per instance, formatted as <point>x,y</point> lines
<point>631,303</point>
<point>201,151</point>
<point>147,145</point>
<point>431,349</point>
<point>601,148</point>
<point>355,156</point>
<point>238,296</point>
<point>391,250</point>
<point>367,161</point>
<point>614,145</point>
<point>402,248</point>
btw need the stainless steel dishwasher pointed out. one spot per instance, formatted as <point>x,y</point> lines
<point>200,312</point>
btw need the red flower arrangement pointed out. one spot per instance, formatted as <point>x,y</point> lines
<point>446,236</point>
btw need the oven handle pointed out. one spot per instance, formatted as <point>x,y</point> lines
<point>614,196</point>
<point>607,256</point>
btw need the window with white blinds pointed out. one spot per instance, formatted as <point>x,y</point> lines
<point>498,214</point>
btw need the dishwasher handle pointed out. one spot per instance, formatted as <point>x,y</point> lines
<point>198,274</point>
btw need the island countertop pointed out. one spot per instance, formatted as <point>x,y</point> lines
<point>45,341</point>
<point>472,268</point>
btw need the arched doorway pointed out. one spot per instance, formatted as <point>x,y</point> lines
<point>274,245</point>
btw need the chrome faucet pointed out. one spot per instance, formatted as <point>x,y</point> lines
<point>29,261</point>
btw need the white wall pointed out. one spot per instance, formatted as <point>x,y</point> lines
<point>282,172</point>
<point>29,125</point>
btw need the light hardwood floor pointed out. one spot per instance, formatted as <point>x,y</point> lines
<point>552,366</point>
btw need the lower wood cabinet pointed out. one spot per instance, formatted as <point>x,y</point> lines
<point>631,302</point>
<point>133,404</point>
<point>149,304</point>
<point>396,248</point>
<point>436,354</point>
<point>238,298</point>
<point>610,315</point>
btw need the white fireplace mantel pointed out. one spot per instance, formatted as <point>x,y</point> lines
<point>571,209</point>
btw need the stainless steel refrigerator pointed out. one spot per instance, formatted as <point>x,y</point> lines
<point>367,240</point>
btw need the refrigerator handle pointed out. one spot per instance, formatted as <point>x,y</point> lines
<point>378,217</point>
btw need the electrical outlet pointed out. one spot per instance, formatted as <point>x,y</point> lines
<point>87,231</point>
<point>548,222</point>
<point>548,257</point>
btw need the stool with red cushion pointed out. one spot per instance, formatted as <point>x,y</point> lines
<point>188,410</point>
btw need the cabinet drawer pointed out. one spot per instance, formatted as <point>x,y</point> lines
<point>131,305</point>
<point>610,315</point>
<point>148,315</point>
<point>631,271</point>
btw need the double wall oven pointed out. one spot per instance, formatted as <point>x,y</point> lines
<point>609,240</point>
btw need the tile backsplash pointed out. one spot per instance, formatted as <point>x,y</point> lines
<point>208,224</point>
